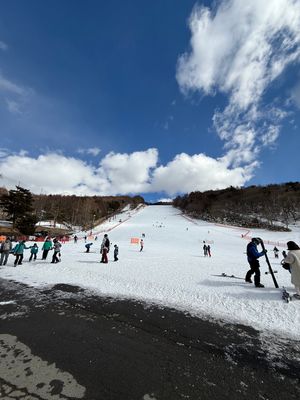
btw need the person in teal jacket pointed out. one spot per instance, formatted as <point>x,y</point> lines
<point>46,247</point>
<point>33,252</point>
<point>18,252</point>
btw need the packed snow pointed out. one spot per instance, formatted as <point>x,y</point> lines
<point>172,270</point>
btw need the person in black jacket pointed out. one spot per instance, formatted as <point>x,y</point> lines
<point>105,249</point>
<point>252,255</point>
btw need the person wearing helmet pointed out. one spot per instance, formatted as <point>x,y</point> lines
<point>253,255</point>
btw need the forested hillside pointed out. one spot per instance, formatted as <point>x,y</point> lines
<point>81,211</point>
<point>272,207</point>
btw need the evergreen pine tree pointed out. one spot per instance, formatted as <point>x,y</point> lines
<point>18,205</point>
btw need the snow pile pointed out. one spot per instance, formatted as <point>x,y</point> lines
<point>172,270</point>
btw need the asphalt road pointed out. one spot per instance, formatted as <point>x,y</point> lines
<point>65,343</point>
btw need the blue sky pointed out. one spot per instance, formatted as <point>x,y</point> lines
<point>155,98</point>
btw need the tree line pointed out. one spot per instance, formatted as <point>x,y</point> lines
<point>25,209</point>
<point>253,206</point>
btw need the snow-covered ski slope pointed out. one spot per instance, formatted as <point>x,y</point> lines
<point>172,270</point>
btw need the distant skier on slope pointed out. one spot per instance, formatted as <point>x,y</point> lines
<point>208,250</point>
<point>141,244</point>
<point>252,255</point>
<point>116,252</point>
<point>87,246</point>
<point>276,252</point>
<point>204,249</point>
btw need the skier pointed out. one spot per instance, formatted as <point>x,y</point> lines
<point>46,247</point>
<point>293,259</point>
<point>104,249</point>
<point>142,244</point>
<point>56,247</point>
<point>116,252</point>
<point>252,256</point>
<point>204,249</point>
<point>85,238</point>
<point>87,246</point>
<point>75,239</point>
<point>18,252</point>
<point>33,252</point>
<point>5,249</point>
<point>208,250</point>
<point>276,252</point>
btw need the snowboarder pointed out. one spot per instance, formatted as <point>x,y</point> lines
<point>116,252</point>
<point>5,249</point>
<point>46,247</point>
<point>293,259</point>
<point>33,252</point>
<point>141,244</point>
<point>56,254</point>
<point>104,249</point>
<point>18,252</point>
<point>276,252</point>
<point>252,256</point>
<point>87,246</point>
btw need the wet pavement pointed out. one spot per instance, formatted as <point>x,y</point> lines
<point>63,342</point>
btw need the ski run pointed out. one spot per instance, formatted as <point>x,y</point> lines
<point>172,270</point>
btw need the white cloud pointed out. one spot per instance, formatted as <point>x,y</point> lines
<point>11,87</point>
<point>3,46</point>
<point>239,49</point>
<point>93,151</point>
<point>118,173</point>
<point>14,106</point>
<point>198,172</point>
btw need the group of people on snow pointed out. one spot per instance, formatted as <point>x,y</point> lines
<point>290,262</point>
<point>206,250</point>
<point>6,249</point>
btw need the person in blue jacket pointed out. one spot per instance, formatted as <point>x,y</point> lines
<point>253,255</point>
<point>87,246</point>
<point>33,252</point>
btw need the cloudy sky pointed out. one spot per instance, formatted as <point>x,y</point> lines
<point>156,98</point>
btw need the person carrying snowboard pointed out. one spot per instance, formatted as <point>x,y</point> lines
<point>104,249</point>
<point>252,255</point>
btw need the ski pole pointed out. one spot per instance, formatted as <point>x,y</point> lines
<point>268,262</point>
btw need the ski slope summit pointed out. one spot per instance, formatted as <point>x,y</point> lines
<point>172,270</point>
